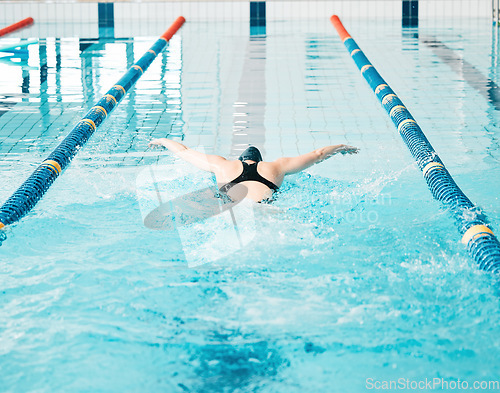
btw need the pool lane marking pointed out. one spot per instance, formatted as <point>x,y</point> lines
<point>474,77</point>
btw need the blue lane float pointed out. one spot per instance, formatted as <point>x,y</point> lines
<point>32,190</point>
<point>481,243</point>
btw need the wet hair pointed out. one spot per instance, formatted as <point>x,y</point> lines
<point>252,154</point>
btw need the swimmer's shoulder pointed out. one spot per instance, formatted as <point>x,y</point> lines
<point>275,166</point>
<point>272,171</point>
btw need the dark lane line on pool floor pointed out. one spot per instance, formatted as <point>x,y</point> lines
<point>5,106</point>
<point>475,78</point>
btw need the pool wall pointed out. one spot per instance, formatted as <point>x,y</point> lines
<point>84,19</point>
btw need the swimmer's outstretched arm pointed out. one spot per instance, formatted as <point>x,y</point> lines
<point>206,162</point>
<point>289,165</point>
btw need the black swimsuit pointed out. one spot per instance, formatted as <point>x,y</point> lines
<point>249,173</point>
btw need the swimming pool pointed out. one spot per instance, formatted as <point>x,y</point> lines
<point>354,273</point>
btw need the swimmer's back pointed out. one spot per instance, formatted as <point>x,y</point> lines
<point>256,190</point>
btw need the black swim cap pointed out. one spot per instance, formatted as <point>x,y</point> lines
<point>252,154</point>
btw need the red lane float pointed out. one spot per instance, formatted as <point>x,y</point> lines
<point>173,28</point>
<point>16,26</point>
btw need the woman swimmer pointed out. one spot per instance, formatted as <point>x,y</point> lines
<point>260,178</point>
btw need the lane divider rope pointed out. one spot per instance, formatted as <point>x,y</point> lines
<point>33,189</point>
<point>482,244</point>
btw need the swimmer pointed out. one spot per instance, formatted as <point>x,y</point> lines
<point>260,178</point>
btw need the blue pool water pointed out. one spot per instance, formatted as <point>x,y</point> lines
<point>353,273</point>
